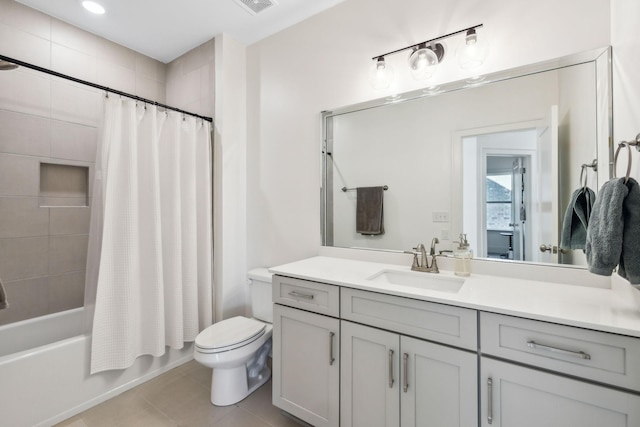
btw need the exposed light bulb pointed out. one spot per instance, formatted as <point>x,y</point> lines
<point>473,52</point>
<point>381,74</point>
<point>423,61</point>
<point>93,7</point>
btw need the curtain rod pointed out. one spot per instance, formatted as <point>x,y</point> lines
<point>97,86</point>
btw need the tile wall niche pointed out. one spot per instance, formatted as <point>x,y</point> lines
<point>44,120</point>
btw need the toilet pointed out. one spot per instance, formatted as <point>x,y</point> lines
<point>237,348</point>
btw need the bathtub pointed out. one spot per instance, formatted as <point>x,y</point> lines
<point>44,370</point>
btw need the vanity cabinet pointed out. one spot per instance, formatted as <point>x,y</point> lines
<point>519,396</point>
<point>306,349</point>
<point>389,379</point>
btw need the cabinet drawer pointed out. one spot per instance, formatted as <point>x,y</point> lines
<point>312,296</point>
<point>599,356</point>
<point>436,322</point>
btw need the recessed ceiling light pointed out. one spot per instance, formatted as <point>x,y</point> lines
<point>93,7</point>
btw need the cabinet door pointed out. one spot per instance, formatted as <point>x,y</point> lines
<point>370,378</point>
<point>515,396</point>
<point>306,365</point>
<point>439,385</point>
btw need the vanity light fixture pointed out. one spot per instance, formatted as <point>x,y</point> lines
<point>425,57</point>
<point>93,7</point>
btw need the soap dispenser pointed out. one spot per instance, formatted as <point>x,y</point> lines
<point>462,256</point>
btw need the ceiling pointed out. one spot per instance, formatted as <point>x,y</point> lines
<point>165,29</point>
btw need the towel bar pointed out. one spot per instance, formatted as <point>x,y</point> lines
<point>345,189</point>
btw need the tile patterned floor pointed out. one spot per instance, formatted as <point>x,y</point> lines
<point>180,397</point>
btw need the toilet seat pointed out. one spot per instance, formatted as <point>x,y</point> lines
<point>229,334</point>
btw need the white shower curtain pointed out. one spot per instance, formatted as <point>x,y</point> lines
<point>153,233</point>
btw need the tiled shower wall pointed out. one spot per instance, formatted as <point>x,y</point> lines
<point>44,220</point>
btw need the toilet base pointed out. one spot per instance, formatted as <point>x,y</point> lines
<point>230,386</point>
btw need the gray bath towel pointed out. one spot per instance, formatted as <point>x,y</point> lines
<point>3,297</point>
<point>605,229</point>
<point>576,219</point>
<point>369,210</point>
<point>630,259</point>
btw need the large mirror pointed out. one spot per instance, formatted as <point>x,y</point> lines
<point>496,157</point>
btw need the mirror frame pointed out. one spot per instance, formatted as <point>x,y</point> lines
<point>601,58</point>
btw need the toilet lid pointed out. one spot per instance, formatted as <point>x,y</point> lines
<point>229,334</point>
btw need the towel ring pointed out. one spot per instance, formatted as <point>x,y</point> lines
<point>583,177</point>
<point>615,160</point>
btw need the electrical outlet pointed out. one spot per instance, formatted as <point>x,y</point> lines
<point>441,217</point>
<point>444,234</point>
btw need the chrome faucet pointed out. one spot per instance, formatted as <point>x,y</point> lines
<point>423,263</point>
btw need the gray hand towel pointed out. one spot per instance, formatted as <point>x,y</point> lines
<point>604,232</point>
<point>369,210</point>
<point>3,297</point>
<point>630,259</point>
<point>576,219</point>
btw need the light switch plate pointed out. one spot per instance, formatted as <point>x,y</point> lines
<point>440,216</point>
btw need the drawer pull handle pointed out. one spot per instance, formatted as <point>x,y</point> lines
<point>490,401</point>
<point>578,354</point>
<point>331,358</point>
<point>405,362</point>
<point>391,381</point>
<point>299,295</point>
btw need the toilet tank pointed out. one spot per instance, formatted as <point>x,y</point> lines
<point>261,295</point>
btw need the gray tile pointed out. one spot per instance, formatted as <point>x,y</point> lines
<point>73,37</point>
<point>26,298</point>
<point>198,372</point>
<point>26,19</point>
<point>19,175</point>
<point>73,142</point>
<point>67,253</point>
<point>23,217</point>
<point>186,401</point>
<point>68,220</point>
<point>66,291</point>
<point>126,410</point>
<point>260,404</point>
<point>24,134</point>
<point>74,103</point>
<point>63,202</point>
<point>239,418</point>
<point>25,92</point>
<point>23,258</point>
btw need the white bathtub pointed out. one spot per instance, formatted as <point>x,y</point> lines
<point>44,375</point>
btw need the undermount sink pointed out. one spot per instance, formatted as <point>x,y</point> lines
<point>417,279</point>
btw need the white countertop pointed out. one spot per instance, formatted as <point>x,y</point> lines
<point>615,310</point>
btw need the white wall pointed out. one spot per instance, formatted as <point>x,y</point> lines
<point>626,78</point>
<point>230,175</point>
<point>323,63</point>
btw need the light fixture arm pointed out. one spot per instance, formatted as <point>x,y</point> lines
<point>427,42</point>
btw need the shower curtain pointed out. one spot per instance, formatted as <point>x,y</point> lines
<point>150,247</point>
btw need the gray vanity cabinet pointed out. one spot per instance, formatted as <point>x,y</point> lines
<point>306,351</point>
<point>392,379</point>
<point>513,395</point>
<point>517,396</point>
<point>389,379</point>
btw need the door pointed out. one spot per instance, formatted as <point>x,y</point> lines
<point>439,387</point>
<point>370,378</point>
<point>547,232</point>
<point>306,365</point>
<point>515,396</point>
<point>519,209</point>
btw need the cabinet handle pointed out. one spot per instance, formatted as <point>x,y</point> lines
<point>490,401</point>
<point>578,354</point>
<point>405,363</point>
<point>331,358</point>
<point>299,295</point>
<point>391,381</point>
